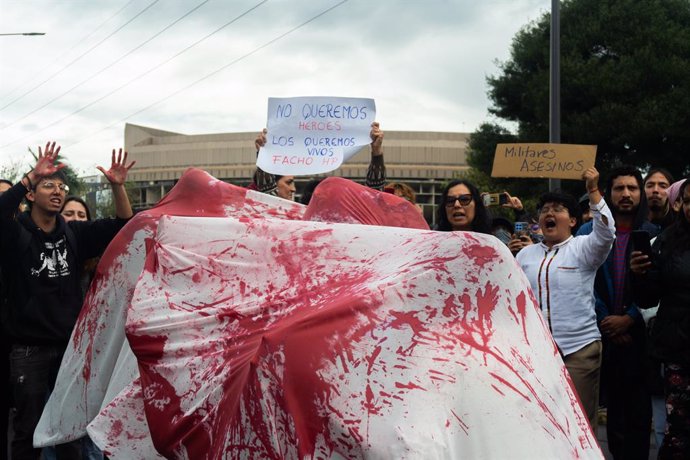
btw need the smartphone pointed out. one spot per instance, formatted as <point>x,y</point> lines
<point>495,199</point>
<point>640,242</point>
<point>521,227</point>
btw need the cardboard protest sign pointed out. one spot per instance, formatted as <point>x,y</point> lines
<point>314,135</point>
<point>555,161</point>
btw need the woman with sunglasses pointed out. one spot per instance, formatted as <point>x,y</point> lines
<point>462,209</point>
<point>664,277</point>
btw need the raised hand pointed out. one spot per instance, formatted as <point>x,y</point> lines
<point>45,165</point>
<point>376,138</point>
<point>117,174</point>
<point>512,202</point>
<point>260,140</point>
<point>591,178</point>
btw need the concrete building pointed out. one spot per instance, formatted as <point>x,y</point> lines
<point>423,160</point>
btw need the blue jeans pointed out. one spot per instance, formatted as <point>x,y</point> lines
<point>33,370</point>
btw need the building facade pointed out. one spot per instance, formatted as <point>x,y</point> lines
<point>423,160</point>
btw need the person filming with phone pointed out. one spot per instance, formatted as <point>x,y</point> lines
<point>624,365</point>
<point>561,270</point>
<point>662,274</point>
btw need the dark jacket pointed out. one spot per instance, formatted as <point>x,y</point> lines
<point>668,283</point>
<point>603,283</point>
<point>41,272</point>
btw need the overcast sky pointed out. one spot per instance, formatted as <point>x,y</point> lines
<point>106,62</point>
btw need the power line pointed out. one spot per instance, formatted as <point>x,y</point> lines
<point>106,67</point>
<point>80,56</point>
<point>256,50</point>
<point>77,43</point>
<point>140,75</point>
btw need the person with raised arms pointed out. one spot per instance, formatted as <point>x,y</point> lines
<point>284,186</point>
<point>561,270</point>
<point>41,257</point>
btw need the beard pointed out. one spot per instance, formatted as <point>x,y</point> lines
<point>625,212</point>
<point>656,206</point>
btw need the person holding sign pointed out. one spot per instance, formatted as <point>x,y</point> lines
<point>284,186</point>
<point>561,271</point>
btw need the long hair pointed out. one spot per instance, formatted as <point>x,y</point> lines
<point>480,223</point>
<point>678,233</point>
<point>80,201</point>
<point>642,210</point>
<point>663,171</point>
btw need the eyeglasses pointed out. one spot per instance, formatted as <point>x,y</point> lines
<point>555,209</point>
<point>52,185</point>
<point>464,200</point>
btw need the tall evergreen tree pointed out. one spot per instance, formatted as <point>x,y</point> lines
<point>625,82</point>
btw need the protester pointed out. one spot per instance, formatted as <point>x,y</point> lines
<point>462,209</point>
<point>661,214</point>
<point>665,278</point>
<point>623,370</point>
<point>5,185</point>
<point>561,271</point>
<point>674,197</point>
<point>584,208</point>
<point>75,208</point>
<point>284,186</point>
<point>656,184</point>
<point>41,257</point>
<point>403,191</point>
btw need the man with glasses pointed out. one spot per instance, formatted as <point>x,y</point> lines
<point>561,270</point>
<point>41,257</point>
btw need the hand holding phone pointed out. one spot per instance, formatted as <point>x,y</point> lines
<point>641,257</point>
<point>640,242</point>
<point>495,199</point>
<point>521,227</point>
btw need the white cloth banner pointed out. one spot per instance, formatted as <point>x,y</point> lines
<point>259,329</point>
<point>314,135</point>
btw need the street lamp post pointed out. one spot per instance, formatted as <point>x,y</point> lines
<point>555,83</point>
<point>25,33</point>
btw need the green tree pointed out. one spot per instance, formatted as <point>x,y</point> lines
<point>13,170</point>
<point>625,82</point>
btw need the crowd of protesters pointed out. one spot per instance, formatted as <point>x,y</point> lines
<point>610,272</point>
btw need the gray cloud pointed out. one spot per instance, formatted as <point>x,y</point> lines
<point>424,62</point>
